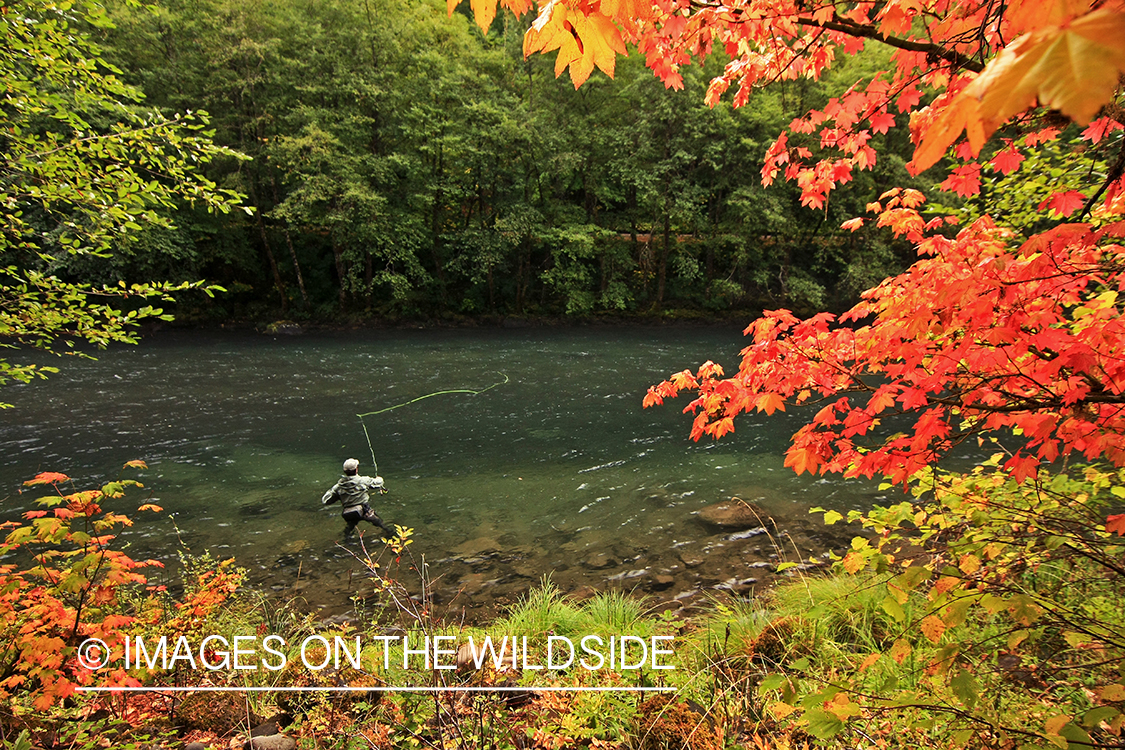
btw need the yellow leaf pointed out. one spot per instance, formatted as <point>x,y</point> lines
<point>600,42</point>
<point>583,41</point>
<point>1055,723</point>
<point>969,564</point>
<point>962,114</point>
<point>770,402</point>
<point>483,12</point>
<point>780,710</point>
<point>1113,692</point>
<point>1073,69</point>
<point>518,7</point>
<point>853,563</point>
<point>842,707</point>
<point>627,10</point>
<point>548,31</point>
<point>1028,15</point>
<point>900,650</point>
<point>932,628</point>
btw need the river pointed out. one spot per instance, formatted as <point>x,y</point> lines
<point>557,470</point>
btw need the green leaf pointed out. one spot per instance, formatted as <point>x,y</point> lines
<point>772,682</point>
<point>1076,735</point>
<point>961,737</point>
<point>964,686</point>
<point>822,724</point>
<point>1096,716</point>
<point>894,609</point>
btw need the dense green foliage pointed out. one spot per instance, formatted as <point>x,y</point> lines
<point>403,165</point>
<point>83,171</point>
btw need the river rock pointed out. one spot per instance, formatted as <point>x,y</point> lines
<point>295,546</point>
<point>690,559</point>
<point>482,545</point>
<point>599,561</point>
<point>271,742</point>
<point>272,726</point>
<point>734,514</point>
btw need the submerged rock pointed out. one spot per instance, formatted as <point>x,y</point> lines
<point>599,561</point>
<point>482,545</point>
<point>734,514</point>
<point>295,546</point>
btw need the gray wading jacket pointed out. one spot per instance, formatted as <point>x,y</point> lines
<point>352,491</point>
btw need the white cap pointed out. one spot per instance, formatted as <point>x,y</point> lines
<point>351,465</point>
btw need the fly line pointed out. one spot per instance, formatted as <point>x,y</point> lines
<point>416,400</point>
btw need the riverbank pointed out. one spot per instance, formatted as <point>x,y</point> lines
<point>273,323</point>
<point>735,550</point>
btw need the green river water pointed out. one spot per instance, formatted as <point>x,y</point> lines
<point>557,471</point>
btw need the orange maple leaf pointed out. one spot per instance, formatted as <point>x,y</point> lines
<point>47,477</point>
<point>770,402</point>
<point>802,460</point>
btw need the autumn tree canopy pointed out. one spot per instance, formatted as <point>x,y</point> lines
<point>998,326</point>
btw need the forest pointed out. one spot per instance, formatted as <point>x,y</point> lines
<point>399,163</point>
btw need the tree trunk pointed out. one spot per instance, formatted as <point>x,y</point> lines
<point>435,221</point>
<point>297,270</point>
<point>665,251</point>
<point>368,277</point>
<point>292,253</point>
<point>266,246</point>
<point>341,273</point>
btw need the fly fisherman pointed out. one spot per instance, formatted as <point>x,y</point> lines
<point>352,491</point>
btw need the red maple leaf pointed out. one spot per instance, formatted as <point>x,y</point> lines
<point>1007,160</point>
<point>1064,203</point>
<point>964,181</point>
<point>1116,524</point>
<point>909,99</point>
<point>882,122</point>
<point>1100,128</point>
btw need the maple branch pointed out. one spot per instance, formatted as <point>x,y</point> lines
<point>1115,173</point>
<point>867,31</point>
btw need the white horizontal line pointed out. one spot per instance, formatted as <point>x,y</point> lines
<point>455,689</point>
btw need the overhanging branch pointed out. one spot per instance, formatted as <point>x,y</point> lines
<point>866,31</point>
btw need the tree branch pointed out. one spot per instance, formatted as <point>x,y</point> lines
<point>870,32</point>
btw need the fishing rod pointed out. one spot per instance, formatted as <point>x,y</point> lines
<point>416,400</point>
